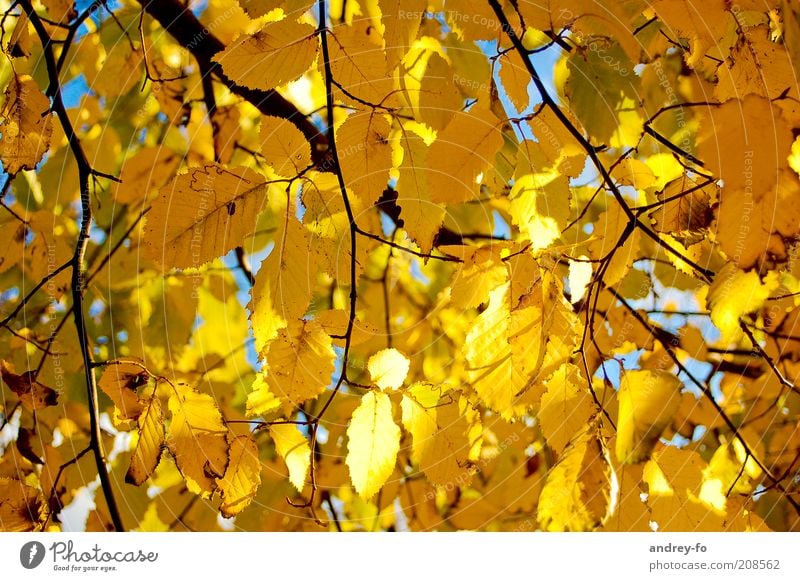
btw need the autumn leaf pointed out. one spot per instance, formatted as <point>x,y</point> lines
<point>457,159</point>
<point>148,449</point>
<point>581,490</point>
<point>200,215</point>
<point>32,394</point>
<point>300,363</point>
<point>242,476</point>
<point>197,439</point>
<point>25,123</point>
<point>295,451</point>
<point>648,400</point>
<point>365,155</point>
<point>120,382</point>
<point>388,369</point>
<point>373,443</point>
<point>284,147</point>
<point>278,53</point>
<point>20,506</point>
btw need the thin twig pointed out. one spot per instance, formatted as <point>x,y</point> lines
<point>85,172</point>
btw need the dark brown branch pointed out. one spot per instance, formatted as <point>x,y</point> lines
<point>671,146</point>
<point>26,299</point>
<point>353,228</point>
<point>190,33</point>
<point>757,346</point>
<point>85,173</point>
<point>391,244</point>
<point>244,265</point>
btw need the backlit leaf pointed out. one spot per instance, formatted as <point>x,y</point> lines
<point>388,369</point>
<point>147,454</point>
<point>242,476</point>
<point>197,439</point>
<point>373,443</point>
<point>203,214</point>
<point>581,491</point>
<point>278,53</point>
<point>25,123</point>
<point>648,400</point>
<point>294,449</point>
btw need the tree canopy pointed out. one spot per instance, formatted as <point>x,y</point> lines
<point>400,265</point>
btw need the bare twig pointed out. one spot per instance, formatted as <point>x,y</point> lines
<point>85,172</point>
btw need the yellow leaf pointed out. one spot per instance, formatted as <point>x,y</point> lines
<point>648,400</point>
<point>540,207</point>
<point>365,155</point>
<point>444,458</point>
<point>259,8</point>
<point>388,368</point>
<point>399,33</point>
<point>25,123</point>
<point>439,97</point>
<point>20,506</point>
<point>197,439</point>
<point>358,64</point>
<point>421,217</point>
<point>684,213</point>
<point>481,271</point>
<point>12,241</point>
<point>60,10</point>
<point>504,347</point>
<point>460,155</point>
<point>278,53</point>
<point>603,91</point>
<point>732,295</point>
<point>488,353</point>
<point>202,214</point>
<point>632,514</point>
<point>284,146</point>
<point>151,522</point>
<point>674,479</point>
<point>515,78</point>
<point>581,490</point>
<point>746,160</point>
<point>373,443</point>
<point>147,453</point>
<point>300,362</point>
<point>565,408</point>
<point>635,173</point>
<point>294,449</point>
<point>242,476</point>
<point>756,65</point>
<point>260,400</point>
<point>283,284</point>
<point>580,276</point>
<point>120,382</point>
<point>150,168</point>
<point>419,417</point>
<point>608,243</point>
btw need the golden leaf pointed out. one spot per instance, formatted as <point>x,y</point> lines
<point>26,125</point>
<point>242,476</point>
<point>294,449</point>
<point>373,443</point>
<point>147,453</point>
<point>203,214</point>
<point>278,53</point>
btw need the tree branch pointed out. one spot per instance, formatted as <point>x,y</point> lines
<point>190,33</point>
<point>85,173</point>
